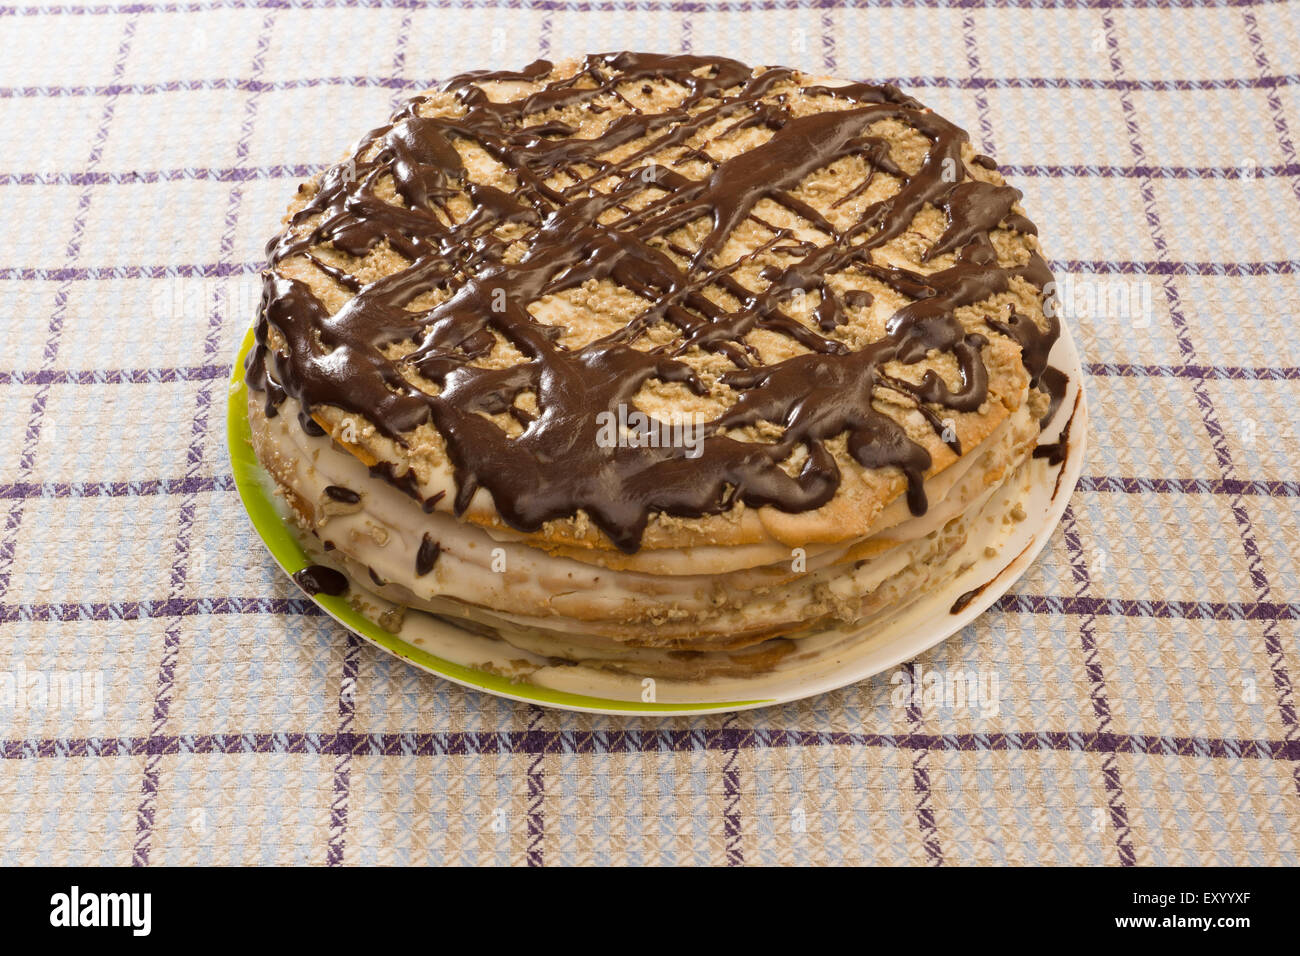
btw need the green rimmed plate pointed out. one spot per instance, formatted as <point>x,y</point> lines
<point>832,659</point>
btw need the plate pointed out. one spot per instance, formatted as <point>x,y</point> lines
<point>827,661</point>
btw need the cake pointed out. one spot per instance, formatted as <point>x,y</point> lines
<point>652,363</point>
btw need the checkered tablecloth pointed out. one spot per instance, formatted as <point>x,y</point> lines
<point>168,696</point>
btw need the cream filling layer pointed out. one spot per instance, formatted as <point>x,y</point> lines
<point>964,541</point>
<point>512,581</point>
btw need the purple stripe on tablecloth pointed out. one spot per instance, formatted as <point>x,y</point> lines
<point>164,375</point>
<point>54,334</point>
<point>210,270</point>
<point>1118,484</point>
<point>1189,486</point>
<point>828,43</point>
<point>228,174</point>
<point>342,752</point>
<point>1167,267</point>
<point>1276,112</point>
<point>535,739</point>
<point>399,58</point>
<point>731,732</point>
<point>61,298</point>
<point>165,682</point>
<point>679,6</point>
<point>925,820</point>
<point>111,273</point>
<point>50,354</point>
<point>117,489</point>
<point>1116,804</point>
<point>1039,604</point>
<point>212,84</point>
<point>1209,416</point>
<point>1137,608</point>
<point>1048,171</point>
<point>166,607</point>
<point>116,376</point>
<point>1272,639</point>
<point>544,36</point>
<point>654,740</point>
<point>358,81</point>
<point>1289,373</point>
<point>981,101</point>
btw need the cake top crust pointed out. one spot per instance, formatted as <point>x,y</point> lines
<point>643,290</point>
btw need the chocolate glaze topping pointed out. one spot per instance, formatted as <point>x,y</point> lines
<point>575,232</point>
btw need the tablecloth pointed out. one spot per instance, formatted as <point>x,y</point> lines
<point>167,696</point>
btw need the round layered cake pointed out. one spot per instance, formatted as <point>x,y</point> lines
<point>653,363</point>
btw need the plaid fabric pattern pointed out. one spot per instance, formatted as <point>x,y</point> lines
<point>1145,710</point>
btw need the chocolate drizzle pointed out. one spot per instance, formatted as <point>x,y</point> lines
<point>427,556</point>
<point>345,495</point>
<point>318,579</point>
<point>576,232</point>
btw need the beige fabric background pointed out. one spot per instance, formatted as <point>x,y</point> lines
<point>1145,665</point>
